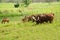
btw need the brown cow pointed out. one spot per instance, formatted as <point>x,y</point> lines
<point>44,18</point>
<point>28,18</point>
<point>49,17</point>
<point>4,20</point>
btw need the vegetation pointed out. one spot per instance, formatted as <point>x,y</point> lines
<point>17,30</point>
<point>58,0</point>
<point>27,2</point>
<point>16,5</point>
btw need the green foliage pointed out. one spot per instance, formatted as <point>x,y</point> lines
<point>58,0</point>
<point>0,0</point>
<point>27,2</point>
<point>16,5</point>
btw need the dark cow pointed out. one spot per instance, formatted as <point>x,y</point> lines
<point>41,18</point>
<point>36,18</point>
<point>4,20</point>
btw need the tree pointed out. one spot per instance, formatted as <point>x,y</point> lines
<point>11,1</point>
<point>58,0</point>
<point>48,1</point>
<point>27,2</point>
<point>0,1</point>
<point>17,4</point>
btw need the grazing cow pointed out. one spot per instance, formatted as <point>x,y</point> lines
<point>4,20</point>
<point>49,17</point>
<point>41,18</point>
<point>36,18</point>
<point>27,18</point>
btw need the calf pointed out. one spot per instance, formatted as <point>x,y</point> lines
<point>4,20</point>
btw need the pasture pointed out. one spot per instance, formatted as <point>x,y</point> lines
<point>16,30</point>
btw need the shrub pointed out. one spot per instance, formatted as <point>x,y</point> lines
<point>27,2</point>
<point>16,5</point>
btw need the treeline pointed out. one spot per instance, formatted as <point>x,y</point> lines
<point>19,1</point>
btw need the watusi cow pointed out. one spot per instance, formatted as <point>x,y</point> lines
<point>41,18</point>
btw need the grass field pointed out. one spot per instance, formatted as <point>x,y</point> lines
<point>16,30</point>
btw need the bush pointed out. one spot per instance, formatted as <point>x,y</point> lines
<point>16,5</point>
<point>58,0</point>
<point>27,2</point>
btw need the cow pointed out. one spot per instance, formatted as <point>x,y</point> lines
<point>4,20</point>
<point>28,18</point>
<point>49,17</point>
<point>41,18</point>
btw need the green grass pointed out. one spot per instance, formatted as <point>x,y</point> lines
<point>16,30</point>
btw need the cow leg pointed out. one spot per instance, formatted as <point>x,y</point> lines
<point>50,21</point>
<point>7,21</point>
<point>37,22</point>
